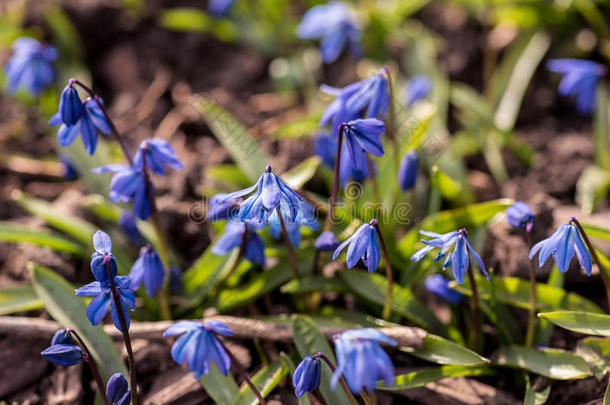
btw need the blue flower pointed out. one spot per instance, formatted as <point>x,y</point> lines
<point>579,80</point>
<point>361,359</point>
<point>233,237</point>
<point>562,244</point>
<point>407,172</point>
<point>372,97</point>
<point>98,307</point>
<point>439,285</point>
<point>71,107</point>
<point>307,376</point>
<point>363,135</point>
<point>148,269</point>
<point>63,351</point>
<point>219,8</point>
<point>337,112</point>
<point>117,390</point>
<point>520,215</point>
<point>220,208</point>
<point>62,337</point>
<point>69,171</point>
<point>326,148</point>
<point>271,193</point>
<point>305,217</point>
<point>199,346</point>
<point>327,242</point>
<point>158,153</point>
<point>102,255</point>
<point>31,66</point>
<point>129,184</point>
<point>363,244</point>
<point>417,88</point>
<point>127,222</point>
<point>332,23</point>
<point>458,259</point>
<point>87,125</point>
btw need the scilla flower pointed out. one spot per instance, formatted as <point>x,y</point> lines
<point>363,244</point>
<point>148,269</point>
<point>234,236</point>
<point>326,147</point>
<point>372,97</point>
<point>363,136</point>
<point>407,172</point>
<point>127,222</point>
<point>87,125</point>
<point>580,80</point>
<point>129,184</point>
<point>158,153</point>
<point>98,307</point>
<point>307,376</point>
<point>562,245</point>
<point>458,259</point>
<point>63,350</point>
<point>417,88</point>
<point>439,286</point>
<point>327,242</point>
<point>337,112</point>
<point>305,218</point>
<point>332,23</point>
<point>361,359</point>
<point>220,8</point>
<point>520,215</point>
<point>102,256</point>
<point>220,208</point>
<point>31,66</point>
<point>271,193</point>
<point>199,346</point>
<point>71,107</point>
<point>117,390</point>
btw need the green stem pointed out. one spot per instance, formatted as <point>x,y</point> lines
<point>332,367</point>
<point>387,307</point>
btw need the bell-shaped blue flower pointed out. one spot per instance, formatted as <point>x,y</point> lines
<point>88,124</point>
<point>327,242</point>
<point>407,172</point>
<point>458,259</point>
<point>439,286</point>
<point>363,135</point>
<point>520,215</point>
<point>127,222</point>
<point>31,66</point>
<point>102,256</point>
<point>221,208</point>
<point>129,184</point>
<point>562,245</point>
<point>219,8</point>
<point>271,193</point>
<point>305,218</point>
<point>102,293</point>
<point>361,359</point>
<point>117,390</point>
<point>363,244</point>
<point>337,112</point>
<point>148,269</point>
<point>199,346</point>
<point>62,337</point>
<point>580,78</point>
<point>233,237</point>
<point>333,23</point>
<point>158,153</point>
<point>372,99</point>
<point>71,107</point>
<point>307,376</point>
<point>63,350</point>
<point>326,148</point>
<point>417,88</point>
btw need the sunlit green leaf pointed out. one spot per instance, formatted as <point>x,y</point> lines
<point>302,173</point>
<point>551,363</point>
<point>18,299</point>
<point>581,322</point>
<point>16,233</point>
<point>222,389</point>
<point>422,377</point>
<point>442,351</point>
<point>266,379</point>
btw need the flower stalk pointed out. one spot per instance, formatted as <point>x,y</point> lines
<point>330,218</point>
<point>289,248</point>
<point>387,307</point>
<point>476,326</point>
<point>332,367</point>
<point>94,370</point>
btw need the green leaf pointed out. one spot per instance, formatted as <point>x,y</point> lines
<point>443,351</point>
<point>302,173</point>
<point>533,397</point>
<point>551,363</point>
<point>373,288</point>
<point>221,388</point>
<point>17,233</point>
<point>607,395</point>
<point>245,150</point>
<point>266,379</point>
<point>309,341</point>
<point>18,299</point>
<point>450,188</point>
<point>582,322</point>
<point>600,126</point>
<point>596,352</point>
<point>228,174</point>
<point>206,272</point>
<point>313,284</point>
<point>71,312</point>
<point>592,185</point>
<point>186,19</point>
<point>422,377</point>
<point>298,128</point>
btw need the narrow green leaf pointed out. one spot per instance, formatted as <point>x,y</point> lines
<point>186,19</point>
<point>551,363</point>
<point>422,377</point>
<point>314,284</point>
<point>266,379</point>
<point>229,174</point>
<point>582,322</point>
<point>16,233</point>
<point>206,273</point>
<point>71,312</point>
<point>18,299</point>
<point>607,395</point>
<point>596,352</point>
<point>302,173</point>
<point>533,397</point>
<point>592,185</point>
<point>221,388</point>
<point>443,351</point>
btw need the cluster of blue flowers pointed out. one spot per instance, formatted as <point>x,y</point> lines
<point>31,66</point>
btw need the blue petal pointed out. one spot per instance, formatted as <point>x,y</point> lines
<point>477,258</point>
<point>460,260</point>
<point>181,327</point>
<point>565,248</point>
<point>584,257</point>
<point>98,307</point>
<point>90,290</point>
<point>102,242</point>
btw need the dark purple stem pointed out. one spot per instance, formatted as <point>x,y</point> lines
<point>330,218</point>
<point>89,359</point>
<point>332,367</point>
<point>387,308</point>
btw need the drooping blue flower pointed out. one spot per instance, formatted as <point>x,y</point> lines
<point>87,125</point>
<point>158,153</point>
<point>562,245</point>
<point>337,111</point>
<point>148,269</point>
<point>220,8</point>
<point>199,346</point>
<point>363,244</point>
<point>333,23</point>
<point>175,280</point>
<point>407,172</point>
<point>220,208</point>
<point>305,218</point>
<point>327,242</point>
<point>363,135</point>
<point>69,171</point>
<point>63,350</point>
<point>31,66</point>
<point>580,78</point>
<point>417,88</point>
<point>271,193</point>
<point>520,215</point>
<point>233,237</point>
<point>458,259</point>
<point>102,256</point>
<point>307,376</point>
<point>98,307</point>
<point>361,359</point>
<point>71,107</point>
<point>326,148</point>
<point>129,184</point>
<point>62,337</point>
<point>372,98</point>
<point>439,286</point>
<point>127,222</point>
<point>117,390</point>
